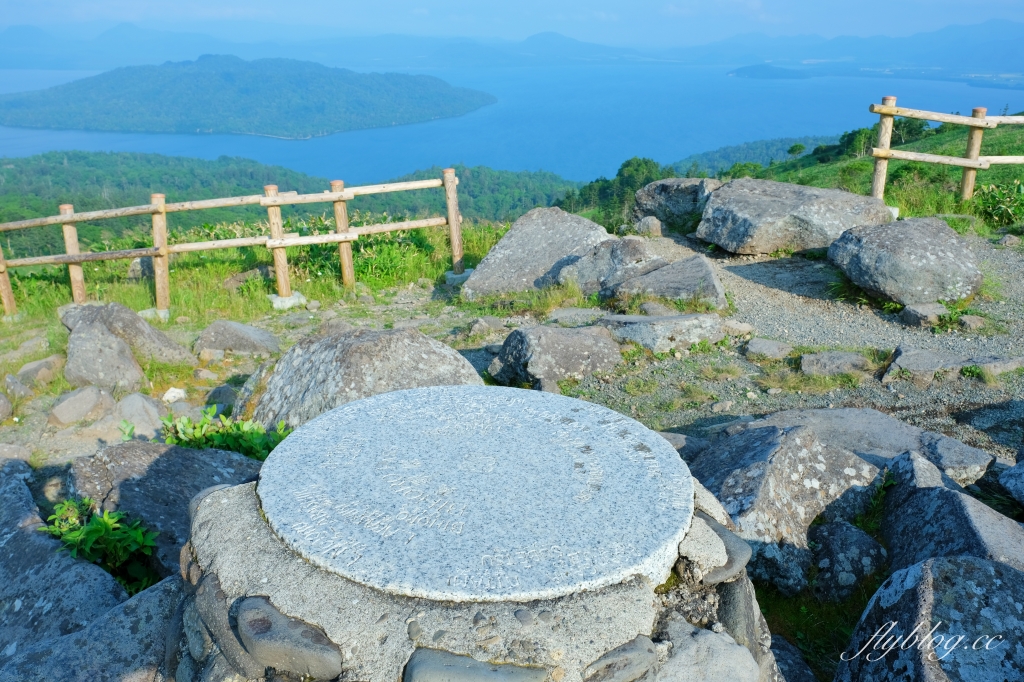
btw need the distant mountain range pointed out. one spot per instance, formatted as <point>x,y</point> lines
<point>222,94</point>
<point>985,54</point>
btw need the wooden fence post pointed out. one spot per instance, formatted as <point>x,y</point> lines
<point>161,269</point>
<point>454,219</point>
<point>75,274</point>
<point>348,269</point>
<point>973,152</point>
<point>884,139</point>
<point>6,292</point>
<point>284,287</point>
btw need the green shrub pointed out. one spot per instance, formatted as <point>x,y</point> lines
<point>120,548</point>
<point>223,433</point>
<point>1001,204</point>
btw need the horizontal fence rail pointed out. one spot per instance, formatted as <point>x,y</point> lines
<point>971,162</point>
<point>277,241</point>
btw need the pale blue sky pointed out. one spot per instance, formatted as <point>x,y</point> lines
<point>639,23</point>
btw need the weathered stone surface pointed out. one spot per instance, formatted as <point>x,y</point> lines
<point>41,372</point>
<point>766,348</point>
<point>320,373</point>
<point>662,334</point>
<point>1010,240</point>
<point>703,547</point>
<point>877,438</point>
<point>910,472</point>
<point>44,593</point>
<point>773,483</point>
<point>127,643</point>
<point>922,260</point>
<point>430,665</point>
<point>237,338</point>
<point>232,541</point>
<point>922,366</point>
<point>146,343</point>
<point>233,282</point>
<point>36,344</point>
<point>704,501</point>
<point>734,328</point>
<point>972,322</point>
<point>692,277</point>
<point>673,200</point>
<point>648,226</point>
<point>651,515</point>
<point>140,268</point>
<point>611,263</point>
<point>15,388</point>
<point>154,483</point>
<point>286,644</point>
<point>845,555</point>
<point>625,663</point>
<point>8,451</point>
<point>139,410</point>
<point>740,614</point>
<point>6,410</point>
<point>833,362</point>
<point>923,314</point>
<point>1013,480</point>
<point>791,662</point>
<point>656,309</point>
<point>83,404</point>
<point>541,356</point>
<point>98,357</point>
<point>940,609</point>
<point>533,252</point>
<point>688,447</point>
<point>762,216</point>
<point>737,550</point>
<point>937,522</point>
<point>704,656</point>
<point>222,395</point>
<point>576,317</point>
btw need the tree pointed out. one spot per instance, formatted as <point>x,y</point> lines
<point>796,150</point>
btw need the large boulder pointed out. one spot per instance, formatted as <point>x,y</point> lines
<point>40,372</point>
<point>98,357</point>
<point>664,333</point>
<point>128,642</point>
<point>44,592</point>
<point>704,656</point>
<point>774,483</point>
<point>153,483</point>
<point>236,337</point>
<point>791,662</point>
<point>542,356</point>
<point>845,555</point>
<point>611,263</point>
<point>689,278</point>
<point>919,260</point>
<point>761,216</point>
<point>86,403</point>
<point>955,619</point>
<point>320,373</point>
<point>1013,480</point>
<point>533,252</point>
<point>878,438</point>
<point>142,412</point>
<point>146,343</point>
<point>920,366</point>
<point>672,201</point>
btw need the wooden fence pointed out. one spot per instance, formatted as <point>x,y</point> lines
<point>971,162</point>
<point>277,241</point>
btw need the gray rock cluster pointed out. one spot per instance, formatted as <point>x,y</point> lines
<point>540,357</point>
<point>674,200</point>
<point>921,367</point>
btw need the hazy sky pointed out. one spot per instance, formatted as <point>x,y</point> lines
<point>636,23</point>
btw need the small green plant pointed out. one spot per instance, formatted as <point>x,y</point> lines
<point>1001,204</point>
<point>633,353</point>
<point>702,347</point>
<point>971,371</point>
<point>119,547</point>
<point>694,395</point>
<point>637,387</point>
<point>248,437</point>
<point>720,372</point>
<point>127,430</point>
<point>870,521</point>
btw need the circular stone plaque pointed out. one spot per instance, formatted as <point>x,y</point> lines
<point>476,493</point>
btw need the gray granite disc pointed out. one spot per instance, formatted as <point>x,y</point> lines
<point>476,493</point>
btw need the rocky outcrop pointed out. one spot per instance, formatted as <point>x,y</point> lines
<point>611,263</point>
<point>662,334</point>
<point>845,555</point>
<point>832,363</point>
<point>953,618</point>
<point>674,200</point>
<point>542,356</point>
<point>704,655</point>
<point>141,411</point>
<point>768,349</point>
<point>320,373</point>
<point>41,372</point>
<point>84,404</point>
<point>224,335</point>
<point>921,367</point>
<point>1013,480</point>
<point>918,260</point>
<point>153,483</point>
<point>145,342</point>
<point>532,253</point>
<point>761,216</point>
<point>689,278</point>
<point>99,358</point>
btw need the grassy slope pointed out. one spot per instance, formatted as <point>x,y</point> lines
<point>224,94</point>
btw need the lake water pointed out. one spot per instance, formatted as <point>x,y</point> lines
<point>580,122</point>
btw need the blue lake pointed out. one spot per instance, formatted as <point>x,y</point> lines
<point>580,122</point>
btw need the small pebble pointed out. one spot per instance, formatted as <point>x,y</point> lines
<point>774,391</point>
<point>751,395</point>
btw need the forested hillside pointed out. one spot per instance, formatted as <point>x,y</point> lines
<point>224,94</point>
<point>36,186</point>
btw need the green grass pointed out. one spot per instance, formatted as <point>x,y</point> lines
<point>719,372</point>
<point>793,381</point>
<point>637,387</point>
